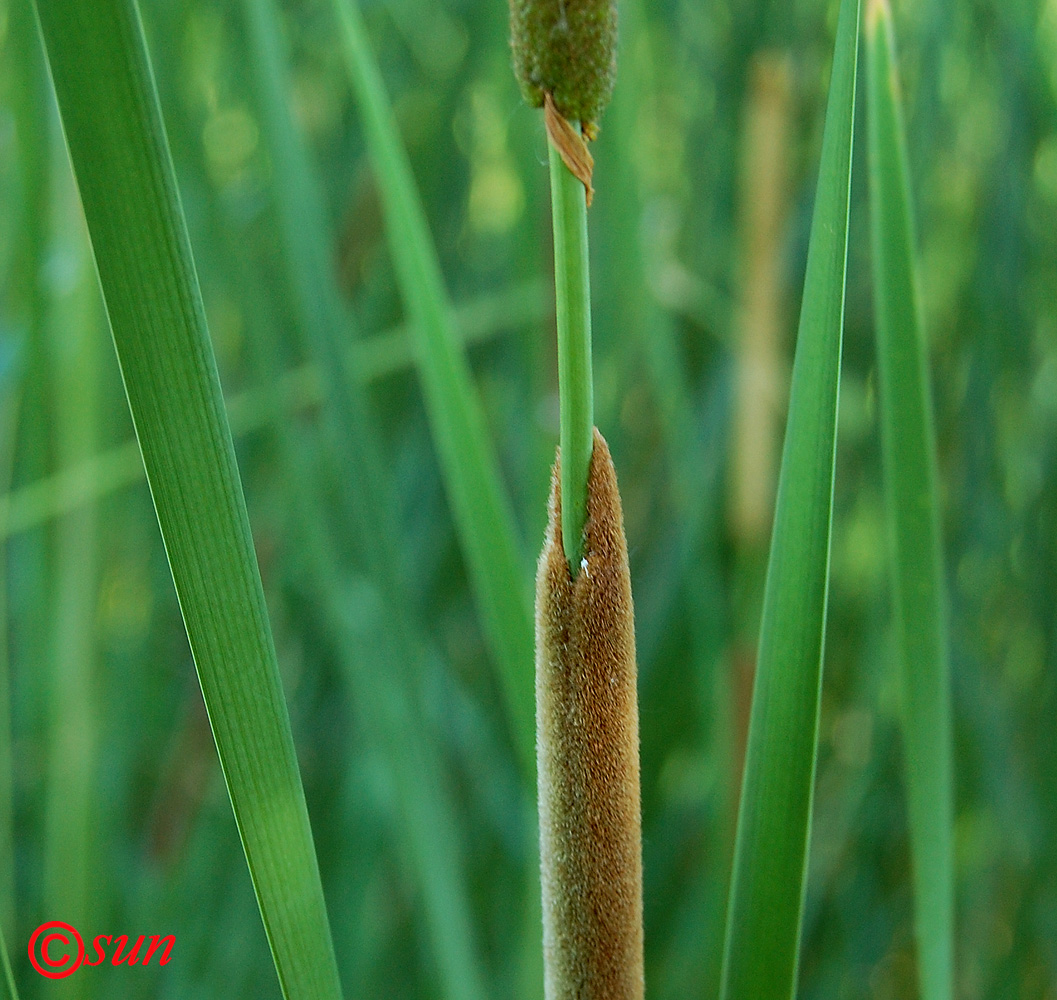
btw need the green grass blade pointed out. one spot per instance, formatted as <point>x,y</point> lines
<point>48,497</point>
<point>479,505</point>
<point>322,320</point>
<point>774,819</point>
<point>121,160</point>
<point>908,452</point>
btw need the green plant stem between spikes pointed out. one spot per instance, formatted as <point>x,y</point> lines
<point>774,817</point>
<point>480,507</point>
<point>120,155</point>
<point>908,452</point>
<point>572,293</point>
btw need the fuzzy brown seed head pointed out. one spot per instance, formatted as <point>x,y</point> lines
<point>587,736</point>
<point>566,48</point>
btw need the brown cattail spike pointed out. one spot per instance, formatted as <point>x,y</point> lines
<point>587,734</point>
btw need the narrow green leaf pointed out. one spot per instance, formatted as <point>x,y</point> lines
<point>908,451</point>
<point>479,504</point>
<point>774,818</point>
<point>352,445</point>
<point>121,160</point>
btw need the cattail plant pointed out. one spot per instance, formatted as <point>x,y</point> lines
<point>587,736</point>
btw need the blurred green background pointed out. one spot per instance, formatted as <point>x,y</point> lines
<point>117,820</point>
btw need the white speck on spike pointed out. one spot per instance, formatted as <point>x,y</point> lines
<point>583,566</point>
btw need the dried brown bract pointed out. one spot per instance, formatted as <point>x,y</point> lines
<point>571,146</point>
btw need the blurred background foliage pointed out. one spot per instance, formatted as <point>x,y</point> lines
<point>116,818</point>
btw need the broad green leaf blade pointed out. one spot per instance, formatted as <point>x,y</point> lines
<point>908,452</point>
<point>121,160</point>
<point>8,426</point>
<point>479,504</point>
<point>774,818</point>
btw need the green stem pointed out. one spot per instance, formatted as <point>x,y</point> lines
<point>572,287</point>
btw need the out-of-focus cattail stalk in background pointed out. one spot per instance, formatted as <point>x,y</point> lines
<point>762,379</point>
<point>763,210</point>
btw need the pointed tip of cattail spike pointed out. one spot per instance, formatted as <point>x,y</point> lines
<point>588,752</point>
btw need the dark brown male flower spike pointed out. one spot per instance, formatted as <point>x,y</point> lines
<point>587,737</point>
